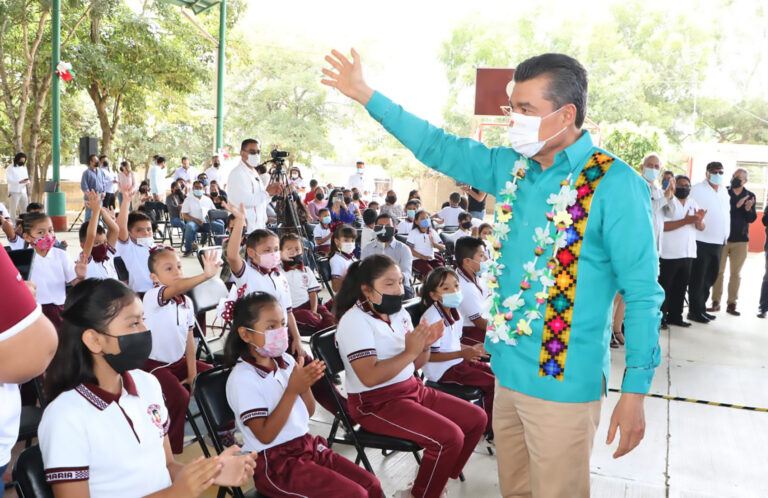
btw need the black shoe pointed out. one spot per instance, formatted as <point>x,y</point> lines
<point>761,314</point>
<point>708,316</point>
<point>664,325</point>
<point>679,323</point>
<point>697,317</point>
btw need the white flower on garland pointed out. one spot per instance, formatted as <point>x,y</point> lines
<point>546,280</point>
<point>520,164</point>
<point>530,271</point>
<point>542,237</point>
<point>500,230</point>
<point>509,189</point>
<point>532,314</point>
<point>514,302</point>
<point>561,239</point>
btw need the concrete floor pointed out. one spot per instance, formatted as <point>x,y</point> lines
<point>689,450</point>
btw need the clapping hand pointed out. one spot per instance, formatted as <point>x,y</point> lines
<point>303,376</point>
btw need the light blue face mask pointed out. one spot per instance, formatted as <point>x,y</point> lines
<point>452,300</point>
<point>326,220</point>
<point>197,193</point>
<point>716,178</point>
<point>650,174</point>
<point>425,223</point>
<point>410,213</point>
<point>484,265</point>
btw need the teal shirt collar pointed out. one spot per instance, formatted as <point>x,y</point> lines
<point>577,153</point>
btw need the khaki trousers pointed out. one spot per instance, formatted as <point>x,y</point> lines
<point>737,253</point>
<point>543,447</point>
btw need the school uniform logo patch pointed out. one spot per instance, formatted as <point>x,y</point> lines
<point>305,280</point>
<point>407,325</point>
<point>154,414</point>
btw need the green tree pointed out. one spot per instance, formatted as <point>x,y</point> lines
<point>631,143</point>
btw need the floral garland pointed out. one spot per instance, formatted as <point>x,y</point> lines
<point>501,314</point>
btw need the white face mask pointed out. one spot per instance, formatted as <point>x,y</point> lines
<point>524,133</point>
<point>347,247</point>
<point>254,159</point>
<point>145,241</point>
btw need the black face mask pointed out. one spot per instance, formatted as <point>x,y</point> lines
<point>356,197</point>
<point>347,200</point>
<point>682,192</point>
<point>319,197</point>
<point>214,194</point>
<point>20,165</point>
<point>134,351</point>
<point>390,304</point>
<point>297,259</point>
<point>391,199</point>
<point>385,233</point>
<point>216,165</point>
<point>736,182</point>
<point>466,225</point>
<point>105,164</point>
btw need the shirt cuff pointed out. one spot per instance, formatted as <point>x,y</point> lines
<point>378,106</point>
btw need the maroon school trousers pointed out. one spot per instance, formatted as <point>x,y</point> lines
<point>306,467</point>
<point>472,335</point>
<point>176,396</point>
<point>53,313</point>
<point>309,321</point>
<point>424,267</point>
<point>475,374</point>
<point>448,428</point>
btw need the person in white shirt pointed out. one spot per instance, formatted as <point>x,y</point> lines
<point>185,173</point>
<point>386,244</point>
<point>246,188</point>
<point>269,393</point>
<point>471,263</point>
<point>466,228</point>
<point>424,242</point>
<point>358,179</point>
<point>310,314</point>
<point>104,431</point>
<point>322,233</point>
<point>194,212</point>
<point>156,178</point>
<point>449,215</point>
<point>296,180</point>
<point>28,341</point>
<point>405,226</point>
<point>380,349</point>
<point>99,245</point>
<point>134,241</point>
<point>369,220</point>
<point>678,250</point>
<point>342,254</point>
<point>449,361</point>
<point>660,198</point>
<point>17,177</point>
<point>711,196</point>
<point>214,171</point>
<point>53,269</point>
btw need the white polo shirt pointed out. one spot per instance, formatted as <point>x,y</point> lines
<point>197,208</point>
<point>17,243</point>
<point>51,274</point>
<point>421,242</point>
<point>113,442</point>
<point>104,269</point>
<point>340,263</point>
<point>257,279</point>
<point>188,175</point>
<point>169,322</point>
<point>321,232</point>
<point>450,215</point>
<point>4,213</point>
<point>14,175</point>
<point>474,293</point>
<point>301,282</point>
<point>213,175</point>
<point>450,342</point>
<point>459,234</point>
<point>136,259</point>
<point>681,242</point>
<point>404,227</point>
<point>361,334</point>
<point>718,218</point>
<point>252,392</point>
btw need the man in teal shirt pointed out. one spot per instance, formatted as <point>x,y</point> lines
<point>549,340</point>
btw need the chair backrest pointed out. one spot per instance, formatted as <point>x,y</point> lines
<point>204,249</point>
<point>323,345</point>
<point>450,228</point>
<point>121,269</point>
<point>29,473</point>
<point>159,209</point>
<point>211,397</point>
<point>206,296</point>
<point>413,307</point>
<point>218,214</point>
<point>402,238</point>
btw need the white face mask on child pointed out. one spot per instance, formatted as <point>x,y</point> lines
<point>145,241</point>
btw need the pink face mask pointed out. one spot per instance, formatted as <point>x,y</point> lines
<point>46,242</point>
<point>270,260</point>
<point>275,342</point>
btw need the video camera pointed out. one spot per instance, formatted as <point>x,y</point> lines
<point>278,160</point>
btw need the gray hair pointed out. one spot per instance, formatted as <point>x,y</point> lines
<point>746,173</point>
<point>650,155</point>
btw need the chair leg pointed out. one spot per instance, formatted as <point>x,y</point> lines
<point>334,429</point>
<point>198,436</point>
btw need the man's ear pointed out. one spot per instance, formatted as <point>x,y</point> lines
<point>569,115</point>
